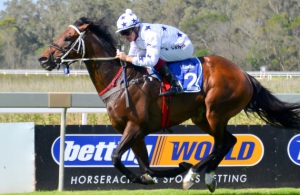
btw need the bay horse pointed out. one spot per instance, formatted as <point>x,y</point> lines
<point>226,91</point>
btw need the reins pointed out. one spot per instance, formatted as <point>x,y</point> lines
<point>124,67</point>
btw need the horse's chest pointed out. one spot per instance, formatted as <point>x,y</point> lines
<point>118,118</point>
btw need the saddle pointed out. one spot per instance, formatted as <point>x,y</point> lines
<point>189,73</point>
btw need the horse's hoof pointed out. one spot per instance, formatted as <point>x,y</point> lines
<point>147,179</point>
<point>185,165</point>
<point>210,181</point>
<point>189,179</point>
<point>212,187</point>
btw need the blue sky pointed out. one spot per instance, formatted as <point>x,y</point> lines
<point>1,4</point>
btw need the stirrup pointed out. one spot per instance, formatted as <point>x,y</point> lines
<point>174,90</point>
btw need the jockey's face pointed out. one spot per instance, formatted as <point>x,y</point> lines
<point>130,34</point>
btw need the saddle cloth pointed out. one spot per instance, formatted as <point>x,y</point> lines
<point>188,72</point>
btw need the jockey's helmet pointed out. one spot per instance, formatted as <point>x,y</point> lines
<point>127,20</point>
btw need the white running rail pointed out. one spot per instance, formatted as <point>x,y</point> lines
<point>261,74</point>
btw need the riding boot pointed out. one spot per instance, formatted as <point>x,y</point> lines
<point>170,77</point>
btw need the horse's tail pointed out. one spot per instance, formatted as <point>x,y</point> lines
<point>272,110</point>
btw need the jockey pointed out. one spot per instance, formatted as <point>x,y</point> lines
<point>153,45</point>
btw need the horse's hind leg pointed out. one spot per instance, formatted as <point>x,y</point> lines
<point>220,151</point>
<point>224,141</point>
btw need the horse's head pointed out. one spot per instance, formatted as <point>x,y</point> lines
<point>69,45</point>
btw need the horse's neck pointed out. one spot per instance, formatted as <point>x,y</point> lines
<point>102,73</point>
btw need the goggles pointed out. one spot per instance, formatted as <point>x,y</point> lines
<point>126,32</point>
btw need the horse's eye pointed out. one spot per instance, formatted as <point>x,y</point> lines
<point>68,39</point>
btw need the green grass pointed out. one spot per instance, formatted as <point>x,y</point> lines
<point>82,83</point>
<point>43,83</point>
<point>263,191</point>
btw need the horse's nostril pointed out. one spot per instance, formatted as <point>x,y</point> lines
<point>43,59</point>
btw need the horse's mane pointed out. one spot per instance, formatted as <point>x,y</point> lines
<point>100,29</point>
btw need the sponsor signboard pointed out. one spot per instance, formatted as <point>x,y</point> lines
<point>95,150</point>
<point>294,149</point>
<point>263,157</point>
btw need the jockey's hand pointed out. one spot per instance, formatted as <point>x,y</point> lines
<point>122,56</point>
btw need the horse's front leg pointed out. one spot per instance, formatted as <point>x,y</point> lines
<point>141,154</point>
<point>131,133</point>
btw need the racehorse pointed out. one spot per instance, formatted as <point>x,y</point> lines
<point>131,96</point>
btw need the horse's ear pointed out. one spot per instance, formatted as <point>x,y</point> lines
<point>83,27</point>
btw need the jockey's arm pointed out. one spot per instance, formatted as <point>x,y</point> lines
<point>151,56</point>
<point>133,51</point>
<point>152,51</point>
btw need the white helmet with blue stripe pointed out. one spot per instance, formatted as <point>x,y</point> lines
<point>127,20</point>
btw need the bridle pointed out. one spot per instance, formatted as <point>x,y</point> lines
<point>80,49</point>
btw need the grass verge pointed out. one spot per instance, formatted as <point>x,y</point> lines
<point>259,191</point>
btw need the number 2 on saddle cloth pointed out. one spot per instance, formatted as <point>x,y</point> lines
<point>189,73</point>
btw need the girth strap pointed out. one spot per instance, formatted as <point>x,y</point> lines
<point>166,108</point>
